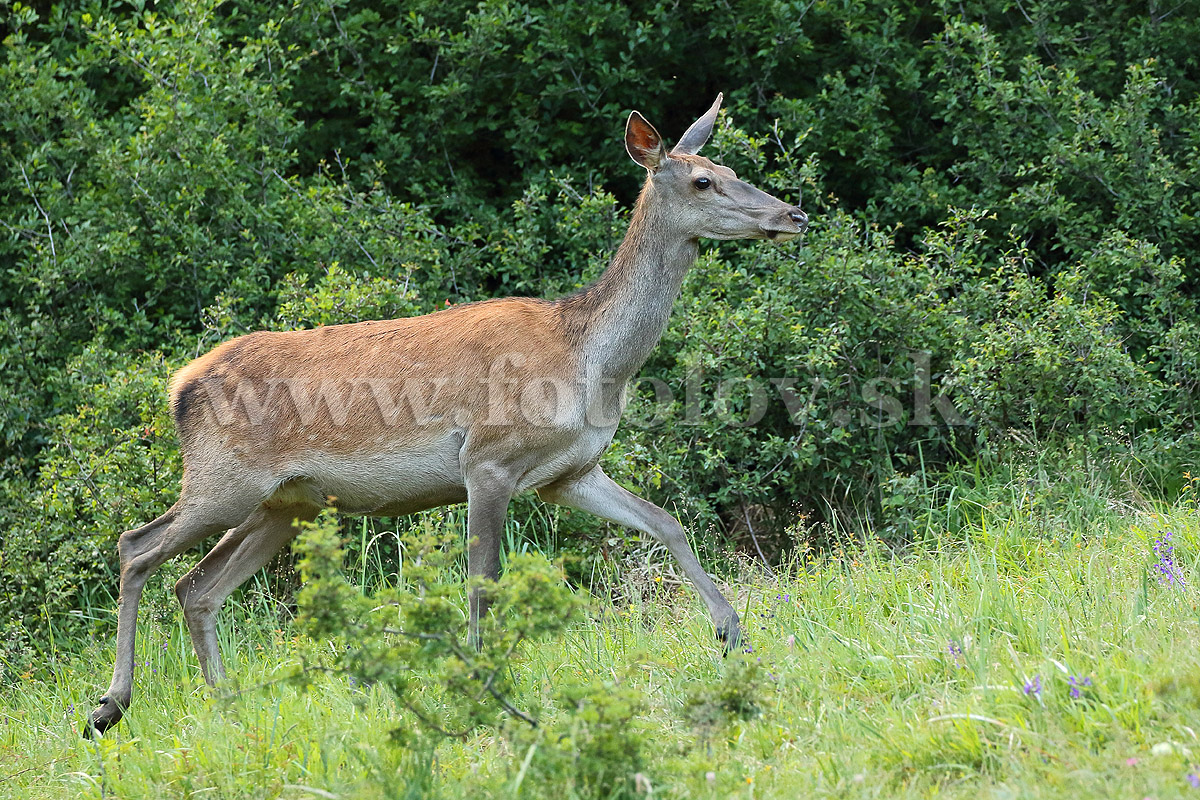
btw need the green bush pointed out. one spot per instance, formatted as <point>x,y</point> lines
<point>410,638</point>
<point>1052,361</point>
<point>594,747</point>
<point>113,465</point>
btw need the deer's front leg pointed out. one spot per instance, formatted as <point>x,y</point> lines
<point>488,495</point>
<point>598,494</point>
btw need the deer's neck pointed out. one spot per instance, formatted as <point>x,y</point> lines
<point>620,318</point>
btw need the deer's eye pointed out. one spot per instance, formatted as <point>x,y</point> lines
<point>702,183</point>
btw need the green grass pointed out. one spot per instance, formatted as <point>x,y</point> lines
<point>860,694</point>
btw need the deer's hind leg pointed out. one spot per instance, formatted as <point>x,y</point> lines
<point>238,555</point>
<point>143,550</point>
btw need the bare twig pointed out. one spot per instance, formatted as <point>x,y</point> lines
<point>754,537</point>
<point>29,769</point>
<point>49,223</point>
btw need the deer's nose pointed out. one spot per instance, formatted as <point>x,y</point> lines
<point>800,218</point>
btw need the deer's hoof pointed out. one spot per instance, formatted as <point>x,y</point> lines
<point>730,635</point>
<point>105,715</point>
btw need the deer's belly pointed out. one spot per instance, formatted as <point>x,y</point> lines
<point>574,458</point>
<point>414,479</point>
<point>387,483</point>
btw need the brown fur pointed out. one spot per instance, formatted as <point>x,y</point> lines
<point>455,345</point>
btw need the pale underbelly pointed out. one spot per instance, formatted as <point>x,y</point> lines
<point>411,480</point>
<point>377,484</point>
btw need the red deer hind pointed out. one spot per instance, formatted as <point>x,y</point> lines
<point>475,403</point>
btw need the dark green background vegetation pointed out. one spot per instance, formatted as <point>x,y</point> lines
<point>1003,194</point>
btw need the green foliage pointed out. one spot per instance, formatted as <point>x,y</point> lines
<point>133,209</point>
<point>411,637</point>
<point>737,697</point>
<point>593,748</point>
<point>342,297</point>
<point>56,556</point>
<point>1051,362</point>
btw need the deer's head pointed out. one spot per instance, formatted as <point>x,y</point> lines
<point>705,199</point>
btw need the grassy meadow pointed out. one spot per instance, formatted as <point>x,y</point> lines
<point>1036,653</point>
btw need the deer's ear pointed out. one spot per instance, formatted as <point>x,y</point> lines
<point>695,137</point>
<point>643,143</point>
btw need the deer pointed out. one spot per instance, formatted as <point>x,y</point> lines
<point>475,403</point>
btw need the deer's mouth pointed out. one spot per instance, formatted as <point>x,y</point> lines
<point>776,235</point>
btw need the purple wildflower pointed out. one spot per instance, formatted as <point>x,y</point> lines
<point>1078,685</point>
<point>1167,569</point>
<point>955,651</point>
<point>1034,686</point>
<point>1194,780</point>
